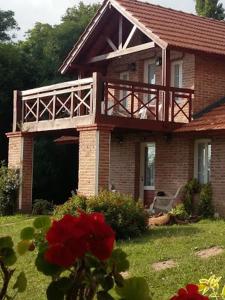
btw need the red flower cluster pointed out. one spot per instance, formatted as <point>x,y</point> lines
<point>71,237</point>
<point>189,293</point>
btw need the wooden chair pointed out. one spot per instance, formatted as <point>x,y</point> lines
<point>164,203</point>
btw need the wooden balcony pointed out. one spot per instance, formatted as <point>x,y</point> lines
<point>88,101</point>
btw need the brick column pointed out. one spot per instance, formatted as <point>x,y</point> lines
<point>21,157</point>
<point>94,159</point>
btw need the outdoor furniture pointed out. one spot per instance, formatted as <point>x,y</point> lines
<point>164,203</point>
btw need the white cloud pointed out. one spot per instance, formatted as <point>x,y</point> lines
<point>28,12</point>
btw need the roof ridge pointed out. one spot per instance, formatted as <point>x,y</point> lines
<point>175,10</point>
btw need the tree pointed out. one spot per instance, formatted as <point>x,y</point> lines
<point>7,24</point>
<point>210,8</point>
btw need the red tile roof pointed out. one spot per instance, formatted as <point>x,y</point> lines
<point>177,28</point>
<point>211,121</point>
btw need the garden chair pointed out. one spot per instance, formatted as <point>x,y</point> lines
<point>164,203</point>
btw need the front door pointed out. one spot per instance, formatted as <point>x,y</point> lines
<point>147,172</point>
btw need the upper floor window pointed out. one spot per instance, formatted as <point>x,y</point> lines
<point>202,161</point>
<point>124,93</point>
<point>177,74</point>
<point>149,76</point>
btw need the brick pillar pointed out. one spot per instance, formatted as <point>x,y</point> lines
<point>94,159</point>
<point>21,157</point>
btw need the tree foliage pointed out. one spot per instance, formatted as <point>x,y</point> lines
<point>210,8</point>
<point>7,24</point>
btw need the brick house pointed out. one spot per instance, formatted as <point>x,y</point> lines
<point>147,108</point>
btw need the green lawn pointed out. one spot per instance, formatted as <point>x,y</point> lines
<point>176,242</point>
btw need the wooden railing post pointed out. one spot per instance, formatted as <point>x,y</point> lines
<point>97,94</point>
<point>166,74</point>
<point>17,109</point>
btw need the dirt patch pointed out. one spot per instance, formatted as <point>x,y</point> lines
<point>213,251</point>
<point>163,265</point>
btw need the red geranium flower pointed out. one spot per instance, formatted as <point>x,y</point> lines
<point>71,237</point>
<point>190,292</point>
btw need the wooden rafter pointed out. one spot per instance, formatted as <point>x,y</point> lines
<point>122,52</point>
<point>131,34</point>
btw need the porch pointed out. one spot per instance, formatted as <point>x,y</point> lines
<point>101,100</point>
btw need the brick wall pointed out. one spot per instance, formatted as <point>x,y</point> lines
<point>21,157</point>
<point>94,155</point>
<point>209,80</point>
<point>174,163</point>
<point>218,174</point>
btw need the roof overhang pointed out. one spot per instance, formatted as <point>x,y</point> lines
<point>108,4</point>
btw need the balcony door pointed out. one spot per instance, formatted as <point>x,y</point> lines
<point>149,75</point>
<point>147,171</point>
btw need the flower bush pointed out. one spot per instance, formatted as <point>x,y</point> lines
<point>78,253</point>
<point>190,292</point>
<point>126,216</point>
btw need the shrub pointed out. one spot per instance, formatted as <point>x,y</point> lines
<point>205,208</point>
<point>191,188</point>
<point>179,212</point>
<point>127,217</point>
<point>9,186</point>
<point>42,207</point>
<point>71,206</point>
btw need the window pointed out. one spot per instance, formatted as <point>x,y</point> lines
<point>203,160</point>
<point>177,74</point>
<point>149,75</point>
<point>124,93</point>
<point>149,166</point>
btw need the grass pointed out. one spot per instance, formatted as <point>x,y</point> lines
<point>175,242</point>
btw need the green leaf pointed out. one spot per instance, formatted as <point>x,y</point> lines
<point>23,247</point>
<point>64,284</point>
<point>43,222</point>
<point>45,267</point>
<point>134,288</point>
<point>223,293</point>
<point>102,295</point>
<point>119,260</point>
<point>53,292</point>
<point>6,242</point>
<point>8,256</point>
<point>119,279</point>
<point>27,233</point>
<point>21,283</point>
<point>107,283</point>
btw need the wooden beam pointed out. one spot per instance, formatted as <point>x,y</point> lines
<point>111,44</point>
<point>131,34</point>
<point>166,79</point>
<point>122,52</point>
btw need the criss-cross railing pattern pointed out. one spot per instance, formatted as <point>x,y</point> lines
<point>63,100</point>
<point>147,101</point>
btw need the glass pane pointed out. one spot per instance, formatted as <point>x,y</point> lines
<point>149,178</point>
<point>151,73</point>
<point>177,70</point>
<point>209,162</point>
<point>201,162</point>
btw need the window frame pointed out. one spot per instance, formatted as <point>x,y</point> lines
<point>206,142</point>
<point>143,166</point>
<point>173,64</point>
<point>121,91</point>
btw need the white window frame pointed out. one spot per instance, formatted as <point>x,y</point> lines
<point>121,91</point>
<point>180,63</point>
<point>197,142</point>
<point>148,62</point>
<point>142,167</point>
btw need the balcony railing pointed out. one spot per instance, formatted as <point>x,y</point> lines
<point>98,96</point>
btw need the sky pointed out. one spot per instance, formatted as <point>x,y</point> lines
<point>28,12</point>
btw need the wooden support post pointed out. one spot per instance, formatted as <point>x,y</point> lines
<point>17,110</point>
<point>97,95</point>
<point>166,79</point>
